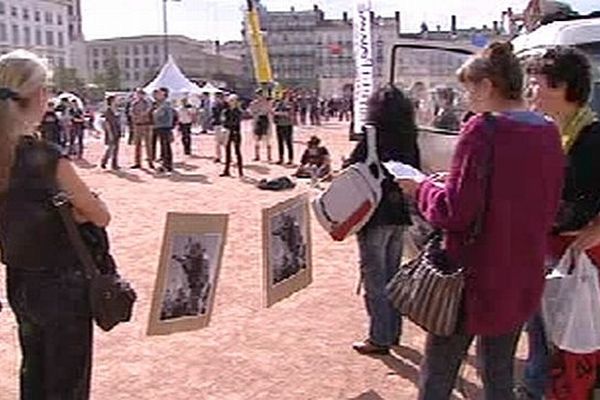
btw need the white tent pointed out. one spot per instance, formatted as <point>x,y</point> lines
<point>171,77</point>
<point>210,88</point>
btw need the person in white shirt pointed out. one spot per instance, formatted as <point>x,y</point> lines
<point>185,116</point>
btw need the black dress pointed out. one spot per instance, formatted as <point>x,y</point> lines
<point>46,290</point>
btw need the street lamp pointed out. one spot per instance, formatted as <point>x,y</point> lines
<point>166,30</point>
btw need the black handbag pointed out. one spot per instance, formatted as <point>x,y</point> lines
<point>111,297</point>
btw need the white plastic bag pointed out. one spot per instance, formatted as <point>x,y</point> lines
<point>571,305</point>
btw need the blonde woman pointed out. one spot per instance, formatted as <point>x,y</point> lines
<point>46,290</point>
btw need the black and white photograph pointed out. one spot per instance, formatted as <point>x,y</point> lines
<point>287,249</point>
<point>191,275</point>
<point>188,272</point>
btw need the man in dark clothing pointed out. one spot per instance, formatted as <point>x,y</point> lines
<point>76,131</point>
<point>232,120</point>
<point>112,134</point>
<point>315,161</point>
<point>285,128</point>
<point>50,126</point>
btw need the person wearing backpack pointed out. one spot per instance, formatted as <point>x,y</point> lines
<point>380,242</point>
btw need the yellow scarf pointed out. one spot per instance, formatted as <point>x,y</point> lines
<point>570,130</point>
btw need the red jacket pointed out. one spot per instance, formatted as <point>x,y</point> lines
<point>505,265</point>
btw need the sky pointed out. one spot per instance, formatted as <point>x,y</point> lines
<point>221,19</point>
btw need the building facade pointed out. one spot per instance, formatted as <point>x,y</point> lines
<point>311,52</point>
<point>41,26</point>
<point>140,58</point>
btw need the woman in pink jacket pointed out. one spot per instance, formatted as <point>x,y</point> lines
<point>516,154</point>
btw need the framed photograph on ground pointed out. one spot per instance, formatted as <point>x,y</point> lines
<point>287,250</point>
<point>188,272</point>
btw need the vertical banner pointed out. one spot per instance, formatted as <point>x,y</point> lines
<point>363,58</point>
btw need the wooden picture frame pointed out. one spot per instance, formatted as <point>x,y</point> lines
<point>188,272</point>
<point>285,274</point>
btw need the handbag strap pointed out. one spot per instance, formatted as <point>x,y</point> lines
<point>371,133</point>
<point>490,127</point>
<point>62,204</point>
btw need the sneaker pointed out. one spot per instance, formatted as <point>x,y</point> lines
<point>225,174</point>
<point>367,347</point>
<point>280,162</point>
<point>136,166</point>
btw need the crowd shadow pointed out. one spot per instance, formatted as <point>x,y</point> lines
<point>83,163</point>
<point>370,395</point>
<point>197,157</point>
<point>259,169</point>
<point>187,178</point>
<point>126,175</point>
<point>185,166</point>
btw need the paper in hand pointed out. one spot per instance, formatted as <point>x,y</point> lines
<point>404,171</point>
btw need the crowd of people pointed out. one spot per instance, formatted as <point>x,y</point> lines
<point>523,188</point>
<point>152,121</point>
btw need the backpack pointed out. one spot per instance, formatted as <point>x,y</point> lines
<point>348,203</point>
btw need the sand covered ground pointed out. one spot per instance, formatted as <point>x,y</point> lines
<point>298,349</point>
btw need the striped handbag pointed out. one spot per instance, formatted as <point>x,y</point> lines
<point>428,290</point>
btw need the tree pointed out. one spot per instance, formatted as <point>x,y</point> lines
<point>112,75</point>
<point>67,80</point>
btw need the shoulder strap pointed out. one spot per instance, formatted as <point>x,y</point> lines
<point>61,202</point>
<point>488,167</point>
<point>371,134</point>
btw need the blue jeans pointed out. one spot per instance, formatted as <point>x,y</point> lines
<point>444,355</point>
<point>380,256</point>
<point>537,367</point>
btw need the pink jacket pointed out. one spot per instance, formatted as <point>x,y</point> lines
<point>505,265</point>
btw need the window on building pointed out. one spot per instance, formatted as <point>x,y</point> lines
<point>126,50</point>
<point>48,18</point>
<point>2,8</point>
<point>146,62</point>
<point>136,50</point>
<point>70,10</point>
<point>105,52</point>
<point>3,33</point>
<point>61,39</point>
<point>37,17</point>
<point>14,12</point>
<point>16,38</point>
<point>71,32</point>
<point>127,63</point>
<point>136,63</point>
<point>105,63</point>
<point>49,38</point>
<point>127,76</point>
<point>136,76</point>
<point>146,49</point>
<point>59,19</point>
<point>95,52</point>
<point>38,37</point>
<point>27,36</point>
<point>26,14</point>
<point>156,49</point>
<point>96,64</point>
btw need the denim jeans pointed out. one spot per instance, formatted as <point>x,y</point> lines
<point>537,368</point>
<point>380,256</point>
<point>444,356</point>
<point>112,154</point>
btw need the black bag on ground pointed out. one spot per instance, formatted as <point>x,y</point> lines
<point>277,184</point>
<point>111,297</point>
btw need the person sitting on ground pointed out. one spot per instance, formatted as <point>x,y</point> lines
<point>315,161</point>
